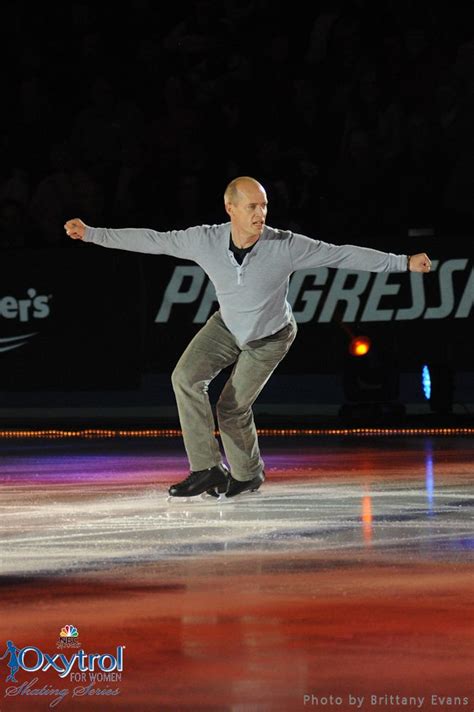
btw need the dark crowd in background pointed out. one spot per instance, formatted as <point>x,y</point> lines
<point>356,116</point>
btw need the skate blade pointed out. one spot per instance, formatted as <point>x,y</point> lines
<point>244,495</point>
<point>204,497</point>
<point>181,500</point>
<point>214,498</point>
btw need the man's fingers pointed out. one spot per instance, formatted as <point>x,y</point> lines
<point>75,229</point>
<point>421,262</point>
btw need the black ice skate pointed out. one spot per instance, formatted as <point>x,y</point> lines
<point>214,481</point>
<point>237,487</point>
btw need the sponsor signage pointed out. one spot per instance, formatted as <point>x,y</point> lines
<point>69,319</point>
<point>95,318</point>
<point>323,294</point>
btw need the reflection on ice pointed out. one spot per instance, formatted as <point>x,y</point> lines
<point>77,530</point>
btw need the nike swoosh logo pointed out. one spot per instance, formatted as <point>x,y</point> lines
<point>7,344</point>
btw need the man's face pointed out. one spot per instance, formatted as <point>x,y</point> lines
<point>249,212</point>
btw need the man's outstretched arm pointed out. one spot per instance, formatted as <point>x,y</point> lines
<point>176,243</point>
<point>306,252</point>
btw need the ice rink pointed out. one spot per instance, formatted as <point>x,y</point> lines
<point>345,583</point>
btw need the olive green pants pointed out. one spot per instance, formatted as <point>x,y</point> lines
<point>212,349</point>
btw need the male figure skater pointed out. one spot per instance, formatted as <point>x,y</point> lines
<point>249,264</point>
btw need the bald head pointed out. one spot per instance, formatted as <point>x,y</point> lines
<point>246,203</point>
<point>239,187</point>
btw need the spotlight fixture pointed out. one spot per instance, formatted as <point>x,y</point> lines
<point>370,378</point>
<point>437,381</point>
<point>360,346</point>
<point>426,381</point>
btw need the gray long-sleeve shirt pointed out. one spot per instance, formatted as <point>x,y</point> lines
<point>252,296</point>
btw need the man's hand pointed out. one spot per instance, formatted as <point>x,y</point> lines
<point>75,229</point>
<point>419,263</point>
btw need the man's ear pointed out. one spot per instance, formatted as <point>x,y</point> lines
<point>228,208</point>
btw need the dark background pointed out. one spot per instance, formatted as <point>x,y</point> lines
<point>356,116</point>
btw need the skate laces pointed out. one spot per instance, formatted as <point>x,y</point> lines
<point>193,476</point>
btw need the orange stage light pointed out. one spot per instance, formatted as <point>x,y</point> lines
<point>360,345</point>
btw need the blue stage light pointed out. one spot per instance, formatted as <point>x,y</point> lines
<point>426,381</point>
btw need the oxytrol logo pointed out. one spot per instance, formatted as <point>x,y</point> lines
<point>85,670</point>
<point>32,659</point>
<point>25,310</point>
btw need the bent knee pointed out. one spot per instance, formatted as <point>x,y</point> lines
<point>180,377</point>
<point>226,408</point>
<point>184,378</point>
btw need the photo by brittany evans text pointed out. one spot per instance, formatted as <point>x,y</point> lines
<point>396,702</point>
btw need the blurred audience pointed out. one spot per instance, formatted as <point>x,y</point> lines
<point>68,189</point>
<point>357,117</point>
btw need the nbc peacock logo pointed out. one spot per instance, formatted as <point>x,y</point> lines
<point>68,637</point>
<point>69,631</point>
